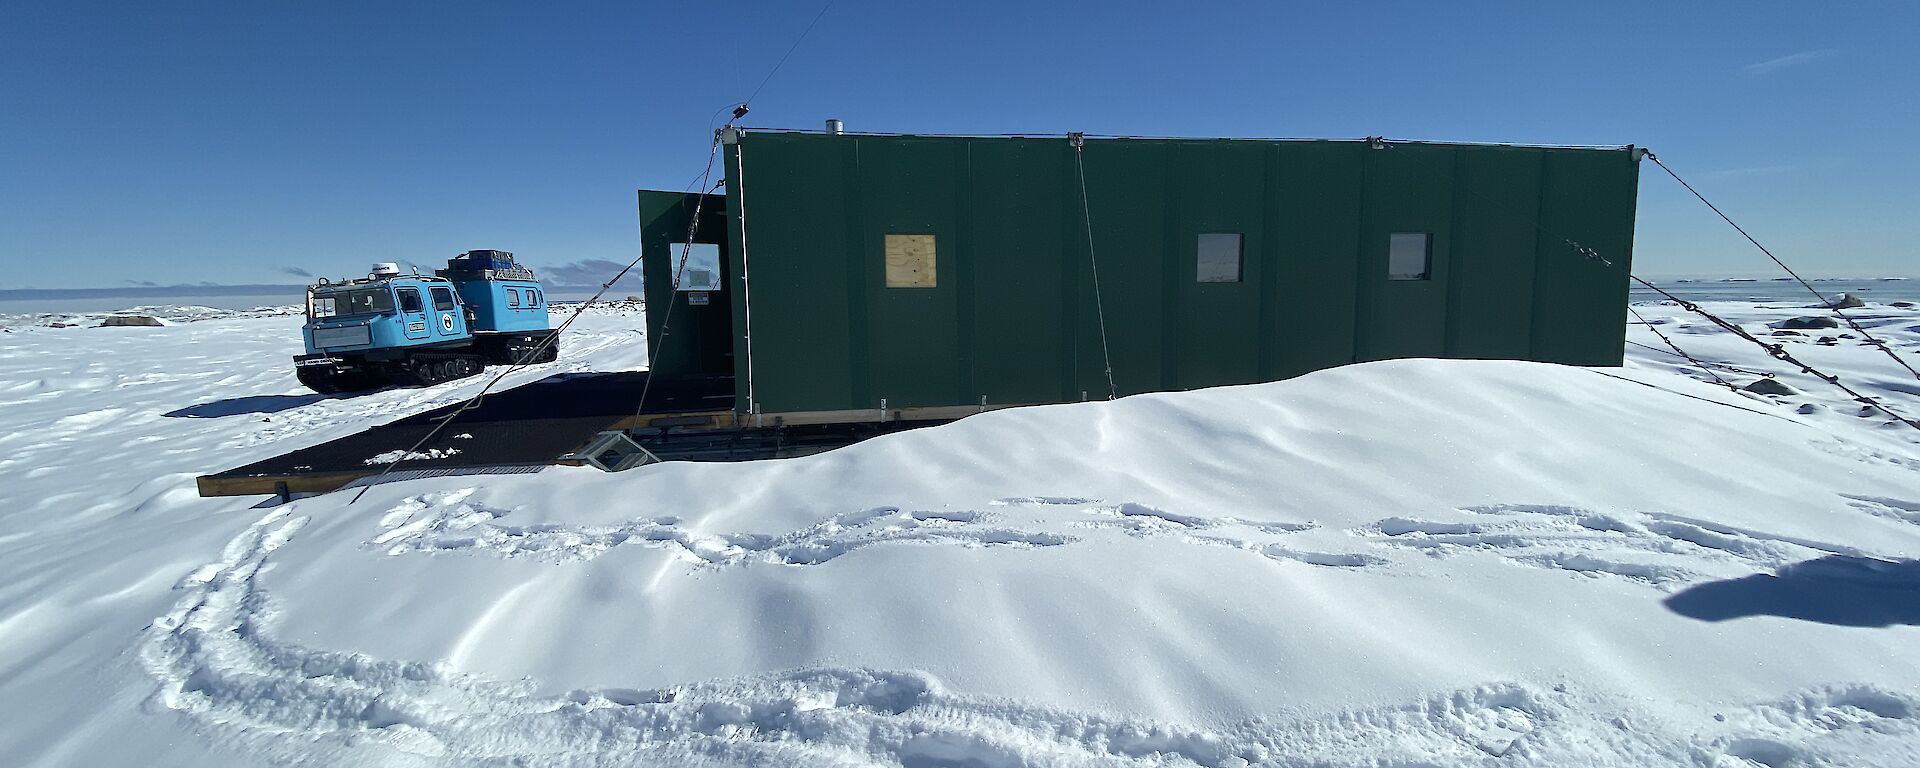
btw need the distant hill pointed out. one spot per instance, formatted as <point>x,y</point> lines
<point>179,291</point>
<point>146,292</point>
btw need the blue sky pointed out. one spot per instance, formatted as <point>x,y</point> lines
<point>238,142</point>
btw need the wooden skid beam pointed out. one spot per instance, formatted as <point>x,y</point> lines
<point>733,420</point>
<point>322,482</point>
<point>266,485</point>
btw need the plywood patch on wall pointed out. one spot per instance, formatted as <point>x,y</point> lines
<point>910,261</point>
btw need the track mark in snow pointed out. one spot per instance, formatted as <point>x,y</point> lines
<point>1759,546</point>
<point>1895,509</point>
<point>952,750</point>
<point>1401,526</point>
<point>951,516</point>
<point>1594,566</point>
<point>1822,726</point>
<point>1524,509</point>
<point>1291,554</point>
<point>1654,548</point>
<point>216,661</point>
<point>1850,450</point>
<point>82,422</point>
<point>1043,501</point>
<point>447,522</point>
<point>1270,527</point>
<point>1142,518</point>
<point>1765,752</point>
<point>1328,559</point>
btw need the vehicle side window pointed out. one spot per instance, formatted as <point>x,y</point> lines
<point>364,301</point>
<point>513,297</point>
<point>535,300</point>
<point>410,300</point>
<point>442,298</point>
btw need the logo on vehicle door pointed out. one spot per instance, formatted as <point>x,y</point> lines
<point>446,321</point>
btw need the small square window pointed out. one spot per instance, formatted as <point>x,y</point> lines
<point>410,300</point>
<point>701,271</point>
<point>442,298</point>
<point>1220,258</point>
<point>513,297</point>
<point>910,261</point>
<point>1409,256</point>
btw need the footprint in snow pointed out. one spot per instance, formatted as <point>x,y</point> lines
<point>447,522</point>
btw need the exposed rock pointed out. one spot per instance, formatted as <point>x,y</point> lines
<point>1788,333</point>
<point>1902,304</point>
<point>145,321</point>
<point>1770,387</point>
<point>1807,408</point>
<point>1812,321</point>
<point>1845,301</point>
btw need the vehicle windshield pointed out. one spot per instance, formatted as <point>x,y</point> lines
<point>362,301</point>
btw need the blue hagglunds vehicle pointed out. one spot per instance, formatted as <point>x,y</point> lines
<point>392,328</point>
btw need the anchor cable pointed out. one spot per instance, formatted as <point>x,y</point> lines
<point>1826,303</point>
<point>1079,141</point>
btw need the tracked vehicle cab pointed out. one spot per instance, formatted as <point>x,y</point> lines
<point>384,314</point>
<point>390,327</point>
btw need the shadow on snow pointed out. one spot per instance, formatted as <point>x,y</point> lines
<point>1837,589</point>
<point>235,406</point>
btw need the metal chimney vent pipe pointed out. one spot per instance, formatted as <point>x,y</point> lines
<point>834,125</point>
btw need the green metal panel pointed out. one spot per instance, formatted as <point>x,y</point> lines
<point>1018,257</point>
<point>1579,303</point>
<point>1315,242</point>
<point>1214,329</point>
<point>1127,194</point>
<point>912,335</point>
<point>1409,189</point>
<point>698,338</point>
<point>1496,207</point>
<point>1013,318</point>
<point>792,200</point>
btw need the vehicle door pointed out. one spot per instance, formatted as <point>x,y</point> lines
<point>447,323</point>
<point>413,313</point>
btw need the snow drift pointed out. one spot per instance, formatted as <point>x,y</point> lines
<point>1399,563</point>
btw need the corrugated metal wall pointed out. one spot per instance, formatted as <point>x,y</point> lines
<point>1012,316</point>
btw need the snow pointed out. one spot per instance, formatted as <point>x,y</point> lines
<point>398,454</point>
<point>169,313</point>
<point>1403,563</point>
